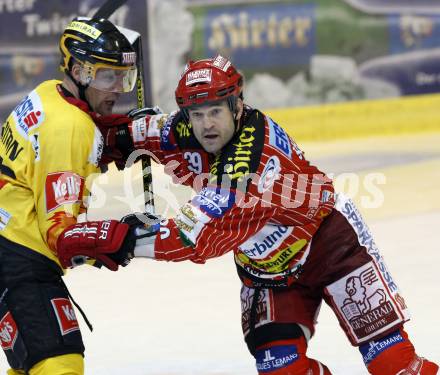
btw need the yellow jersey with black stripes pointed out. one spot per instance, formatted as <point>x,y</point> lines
<point>49,147</point>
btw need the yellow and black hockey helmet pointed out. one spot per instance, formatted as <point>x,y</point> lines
<point>107,59</point>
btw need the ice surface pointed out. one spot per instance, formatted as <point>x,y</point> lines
<point>156,318</point>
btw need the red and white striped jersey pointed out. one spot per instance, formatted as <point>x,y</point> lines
<point>259,197</point>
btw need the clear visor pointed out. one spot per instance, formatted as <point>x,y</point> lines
<point>109,79</point>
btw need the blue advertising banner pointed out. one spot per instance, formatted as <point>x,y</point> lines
<point>262,36</point>
<point>412,33</point>
<point>302,52</point>
<point>29,35</point>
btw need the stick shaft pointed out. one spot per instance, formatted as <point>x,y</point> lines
<point>108,8</point>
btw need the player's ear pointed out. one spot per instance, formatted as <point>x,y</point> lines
<point>75,71</point>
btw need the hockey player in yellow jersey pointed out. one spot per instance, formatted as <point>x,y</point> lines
<point>49,146</point>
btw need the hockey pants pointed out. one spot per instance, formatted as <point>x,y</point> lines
<point>69,364</point>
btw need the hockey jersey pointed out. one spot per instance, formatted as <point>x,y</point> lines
<point>259,197</point>
<point>48,148</point>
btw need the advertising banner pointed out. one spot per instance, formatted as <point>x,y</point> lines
<point>320,51</point>
<point>29,36</point>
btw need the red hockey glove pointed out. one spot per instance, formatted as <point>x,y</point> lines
<point>118,142</point>
<point>109,241</point>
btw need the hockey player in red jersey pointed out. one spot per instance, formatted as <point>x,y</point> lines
<point>295,242</point>
<point>49,146</point>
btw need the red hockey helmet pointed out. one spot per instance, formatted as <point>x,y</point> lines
<point>209,80</point>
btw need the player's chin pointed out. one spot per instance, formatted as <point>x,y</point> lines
<point>211,148</point>
<point>106,107</point>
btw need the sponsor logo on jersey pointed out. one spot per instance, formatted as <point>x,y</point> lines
<point>276,357</point>
<point>65,315</point>
<point>365,303</point>
<point>28,114</point>
<point>327,196</point>
<point>279,138</point>
<point>373,348</point>
<point>277,263</point>
<point>8,331</point>
<point>214,201</point>
<point>183,129</point>
<point>199,75</point>
<point>34,138</point>
<point>270,174</point>
<point>268,239</point>
<point>165,134</point>
<point>238,165</point>
<point>5,216</point>
<point>241,157</point>
<point>365,238</point>
<point>97,148</point>
<point>139,130</point>
<point>12,146</point>
<point>63,188</point>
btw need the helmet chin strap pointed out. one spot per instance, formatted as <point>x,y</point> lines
<point>81,89</point>
<point>236,121</point>
<point>232,102</point>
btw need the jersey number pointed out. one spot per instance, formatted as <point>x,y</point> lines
<point>194,161</point>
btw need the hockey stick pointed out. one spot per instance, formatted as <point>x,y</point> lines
<point>105,11</point>
<point>108,8</point>
<point>147,177</point>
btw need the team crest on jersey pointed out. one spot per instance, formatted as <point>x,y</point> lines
<point>8,331</point>
<point>63,188</point>
<point>65,315</point>
<point>364,303</point>
<point>28,114</point>
<point>190,221</point>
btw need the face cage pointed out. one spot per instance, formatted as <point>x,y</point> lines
<point>108,78</point>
